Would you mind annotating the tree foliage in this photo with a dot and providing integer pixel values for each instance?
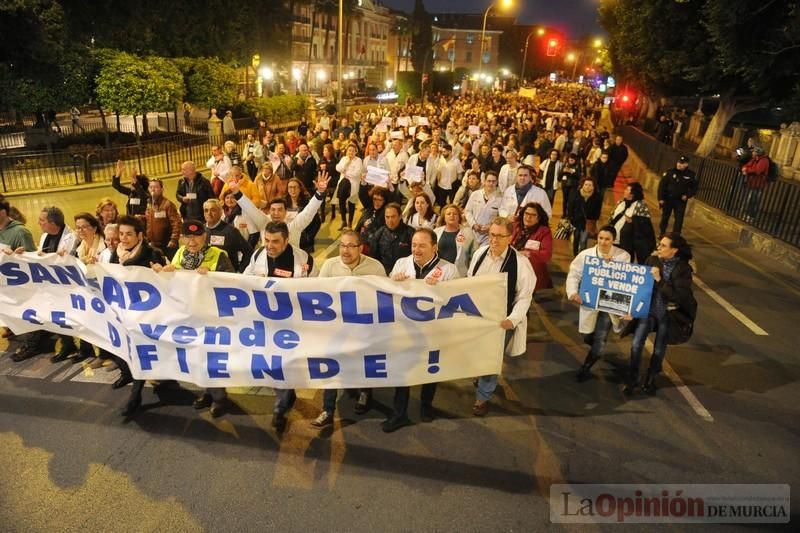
(133, 86)
(745, 51)
(422, 39)
(278, 109)
(209, 82)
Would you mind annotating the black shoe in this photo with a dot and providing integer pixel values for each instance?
(131, 407)
(279, 421)
(394, 423)
(62, 354)
(427, 413)
(201, 402)
(362, 405)
(121, 382)
(83, 355)
(217, 409)
(23, 354)
(631, 383)
(475, 383)
(584, 373)
(649, 385)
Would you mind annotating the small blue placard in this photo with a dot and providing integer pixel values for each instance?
(616, 287)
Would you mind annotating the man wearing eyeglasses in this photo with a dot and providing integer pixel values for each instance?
(499, 256)
(350, 262)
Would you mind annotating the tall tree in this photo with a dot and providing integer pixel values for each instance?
(745, 51)
(135, 86)
(422, 40)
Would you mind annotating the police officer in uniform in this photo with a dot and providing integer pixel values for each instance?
(677, 185)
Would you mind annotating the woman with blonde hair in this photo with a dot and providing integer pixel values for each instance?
(107, 211)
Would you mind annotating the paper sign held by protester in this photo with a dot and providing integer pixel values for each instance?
(381, 128)
(423, 121)
(377, 176)
(402, 122)
(616, 287)
(474, 131)
(396, 134)
(414, 174)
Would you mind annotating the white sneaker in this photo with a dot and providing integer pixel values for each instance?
(324, 419)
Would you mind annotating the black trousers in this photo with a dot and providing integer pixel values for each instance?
(402, 395)
(679, 208)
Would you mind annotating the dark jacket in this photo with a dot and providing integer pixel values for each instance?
(387, 246)
(581, 210)
(306, 172)
(138, 195)
(147, 255)
(676, 183)
(193, 209)
(678, 289)
(617, 155)
(225, 236)
(603, 174)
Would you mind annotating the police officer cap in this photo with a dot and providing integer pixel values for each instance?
(683, 159)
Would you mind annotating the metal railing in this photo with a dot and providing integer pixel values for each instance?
(775, 209)
(35, 171)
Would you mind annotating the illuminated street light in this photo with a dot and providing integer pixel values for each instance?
(540, 32)
(389, 84)
(598, 43)
(570, 57)
(321, 75)
(266, 73)
(296, 74)
(505, 4)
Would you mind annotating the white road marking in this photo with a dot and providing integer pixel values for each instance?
(676, 380)
(725, 304)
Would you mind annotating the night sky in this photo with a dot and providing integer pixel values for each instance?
(575, 17)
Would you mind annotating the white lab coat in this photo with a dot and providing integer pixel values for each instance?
(588, 317)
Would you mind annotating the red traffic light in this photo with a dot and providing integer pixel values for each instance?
(552, 47)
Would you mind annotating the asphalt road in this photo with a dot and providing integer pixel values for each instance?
(729, 414)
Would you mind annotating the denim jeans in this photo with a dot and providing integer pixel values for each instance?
(601, 329)
(284, 400)
(487, 384)
(643, 329)
(329, 400)
(580, 238)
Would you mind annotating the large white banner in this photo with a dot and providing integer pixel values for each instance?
(219, 330)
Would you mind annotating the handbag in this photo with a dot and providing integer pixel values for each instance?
(564, 230)
(591, 228)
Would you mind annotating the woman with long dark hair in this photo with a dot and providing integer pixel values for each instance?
(532, 237)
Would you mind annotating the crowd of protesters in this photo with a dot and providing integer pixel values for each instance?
(471, 189)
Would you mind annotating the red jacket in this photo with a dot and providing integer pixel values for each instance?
(757, 171)
(538, 257)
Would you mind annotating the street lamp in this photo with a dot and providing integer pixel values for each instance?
(598, 43)
(572, 58)
(503, 3)
(539, 32)
(296, 74)
(389, 84)
(266, 75)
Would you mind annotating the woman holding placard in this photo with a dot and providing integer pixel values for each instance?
(594, 324)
